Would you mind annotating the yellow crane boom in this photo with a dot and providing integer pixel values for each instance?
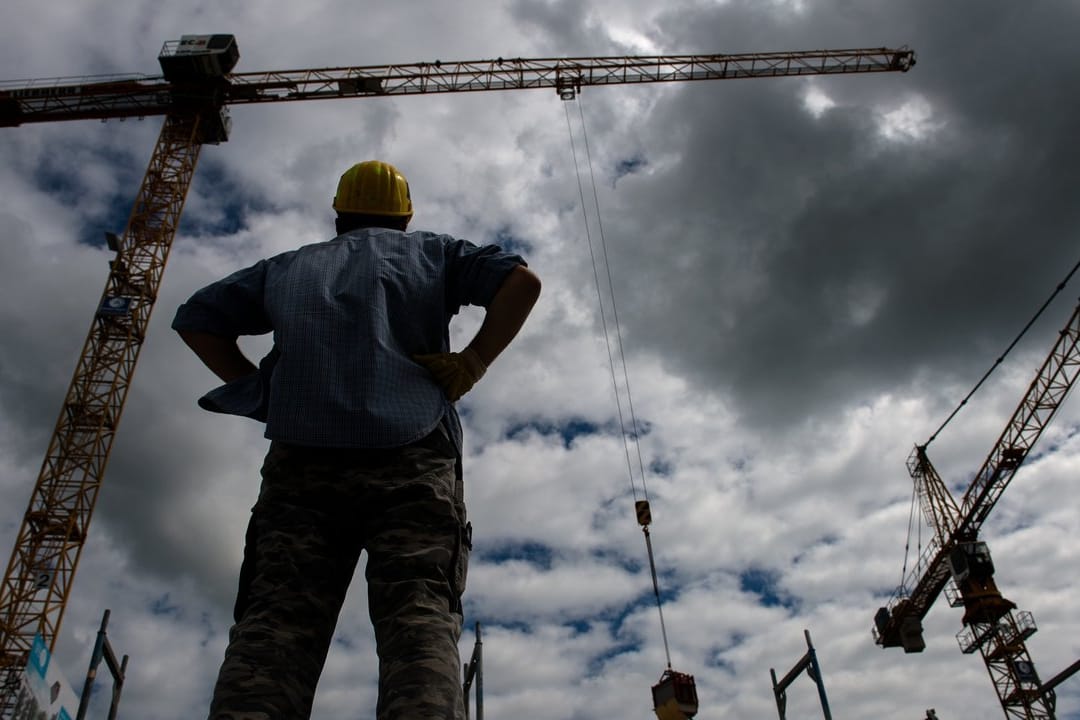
(193, 94)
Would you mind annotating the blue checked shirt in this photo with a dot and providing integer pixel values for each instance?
(347, 316)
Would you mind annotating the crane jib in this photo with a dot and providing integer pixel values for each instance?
(144, 96)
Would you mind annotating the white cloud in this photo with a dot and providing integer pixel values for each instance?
(911, 121)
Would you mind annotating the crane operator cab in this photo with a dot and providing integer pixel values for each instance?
(675, 696)
(196, 67)
(195, 57)
(973, 573)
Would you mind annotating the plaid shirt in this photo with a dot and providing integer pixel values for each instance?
(347, 316)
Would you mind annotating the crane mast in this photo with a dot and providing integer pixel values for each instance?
(955, 553)
(193, 95)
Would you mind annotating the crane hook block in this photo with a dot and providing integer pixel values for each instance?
(675, 696)
(644, 514)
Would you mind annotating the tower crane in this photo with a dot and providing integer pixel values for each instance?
(193, 94)
(955, 551)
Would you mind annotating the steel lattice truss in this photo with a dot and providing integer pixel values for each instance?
(1044, 396)
(1002, 647)
(137, 96)
(54, 529)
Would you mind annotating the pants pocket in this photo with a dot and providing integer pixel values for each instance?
(461, 563)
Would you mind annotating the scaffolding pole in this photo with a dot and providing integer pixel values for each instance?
(103, 651)
(809, 663)
(475, 670)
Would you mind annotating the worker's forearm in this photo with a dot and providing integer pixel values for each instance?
(506, 313)
(222, 355)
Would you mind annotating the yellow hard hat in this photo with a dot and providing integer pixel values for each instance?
(374, 187)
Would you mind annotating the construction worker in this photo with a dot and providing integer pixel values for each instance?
(358, 399)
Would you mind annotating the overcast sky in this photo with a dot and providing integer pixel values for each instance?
(809, 275)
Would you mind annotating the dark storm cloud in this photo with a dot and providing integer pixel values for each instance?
(829, 262)
(566, 28)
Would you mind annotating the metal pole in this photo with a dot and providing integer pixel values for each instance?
(118, 686)
(781, 696)
(1047, 689)
(809, 663)
(479, 652)
(475, 669)
(103, 651)
(815, 672)
(91, 672)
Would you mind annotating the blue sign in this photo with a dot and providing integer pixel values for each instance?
(39, 657)
(115, 305)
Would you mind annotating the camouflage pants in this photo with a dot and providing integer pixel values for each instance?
(317, 510)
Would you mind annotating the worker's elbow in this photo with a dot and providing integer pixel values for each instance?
(193, 336)
(201, 341)
(528, 282)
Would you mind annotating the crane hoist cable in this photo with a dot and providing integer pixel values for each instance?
(675, 694)
(914, 521)
(641, 505)
(600, 302)
(1060, 286)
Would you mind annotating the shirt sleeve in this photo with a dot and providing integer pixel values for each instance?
(476, 272)
(229, 307)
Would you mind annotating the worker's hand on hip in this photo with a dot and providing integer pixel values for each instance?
(456, 373)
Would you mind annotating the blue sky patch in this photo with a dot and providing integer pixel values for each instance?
(662, 468)
(630, 564)
(344, 641)
(164, 606)
(510, 242)
(208, 629)
(580, 627)
(598, 663)
(829, 539)
(715, 659)
(629, 166)
(536, 554)
(65, 186)
(513, 625)
(568, 429)
(645, 601)
(232, 206)
(766, 585)
(114, 220)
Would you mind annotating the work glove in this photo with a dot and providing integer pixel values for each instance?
(456, 373)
